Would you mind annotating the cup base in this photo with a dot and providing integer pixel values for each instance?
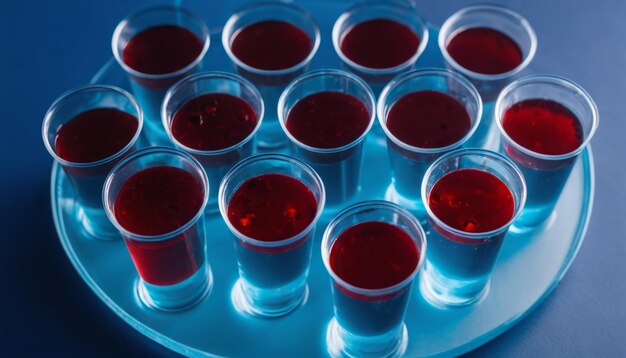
(96, 224)
(450, 294)
(177, 297)
(415, 206)
(244, 304)
(486, 135)
(330, 210)
(532, 223)
(269, 141)
(370, 347)
(378, 134)
(153, 132)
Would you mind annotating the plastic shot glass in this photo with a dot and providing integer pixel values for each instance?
(397, 11)
(409, 162)
(460, 261)
(271, 203)
(155, 30)
(87, 178)
(502, 20)
(369, 315)
(218, 161)
(545, 174)
(145, 196)
(270, 82)
(339, 167)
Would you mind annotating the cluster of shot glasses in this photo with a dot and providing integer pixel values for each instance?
(315, 181)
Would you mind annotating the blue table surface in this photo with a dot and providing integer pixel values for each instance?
(48, 47)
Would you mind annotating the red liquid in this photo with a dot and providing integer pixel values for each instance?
(485, 50)
(328, 119)
(162, 49)
(374, 255)
(94, 135)
(271, 45)
(379, 43)
(543, 126)
(272, 207)
(472, 200)
(213, 121)
(170, 261)
(158, 200)
(428, 119)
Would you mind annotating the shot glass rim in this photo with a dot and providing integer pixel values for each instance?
(442, 41)
(420, 243)
(282, 119)
(144, 152)
(229, 28)
(423, 73)
(553, 80)
(484, 153)
(45, 128)
(336, 36)
(203, 76)
(160, 76)
(223, 206)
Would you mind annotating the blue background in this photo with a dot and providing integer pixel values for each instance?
(48, 47)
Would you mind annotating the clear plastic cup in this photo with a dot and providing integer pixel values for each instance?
(369, 322)
(339, 168)
(270, 83)
(459, 263)
(545, 175)
(273, 274)
(215, 162)
(172, 267)
(393, 10)
(150, 88)
(409, 163)
(88, 178)
(505, 21)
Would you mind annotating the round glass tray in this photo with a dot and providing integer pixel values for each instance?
(528, 267)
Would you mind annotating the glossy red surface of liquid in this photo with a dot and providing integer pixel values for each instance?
(472, 200)
(271, 45)
(428, 119)
(272, 207)
(162, 49)
(374, 255)
(94, 135)
(328, 119)
(484, 50)
(158, 200)
(213, 121)
(543, 126)
(379, 43)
